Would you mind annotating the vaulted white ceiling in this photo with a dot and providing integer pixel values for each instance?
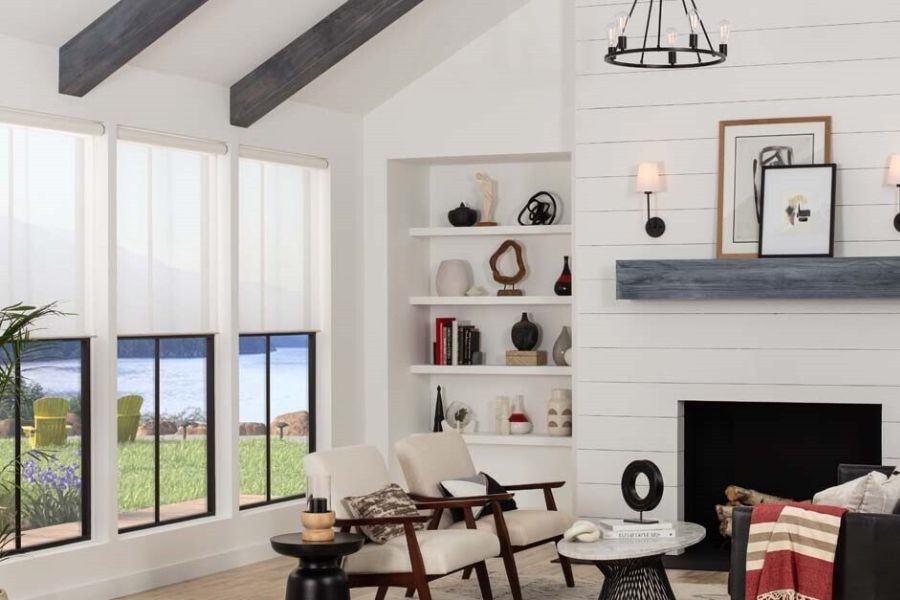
(225, 39)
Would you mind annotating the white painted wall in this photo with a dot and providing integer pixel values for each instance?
(111, 565)
(509, 92)
(636, 360)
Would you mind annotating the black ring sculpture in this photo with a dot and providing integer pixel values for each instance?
(629, 488)
(538, 211)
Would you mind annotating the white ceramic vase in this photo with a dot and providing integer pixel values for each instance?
(454, 278)
(559, 413)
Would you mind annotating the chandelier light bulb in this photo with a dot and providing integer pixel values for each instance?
(724, 32)
(612, 32)
(695, 21)
(622, 22)
(672, 37)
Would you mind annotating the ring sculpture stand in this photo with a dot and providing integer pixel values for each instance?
(319, 575)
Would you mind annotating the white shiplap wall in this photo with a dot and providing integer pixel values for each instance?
(636, 361)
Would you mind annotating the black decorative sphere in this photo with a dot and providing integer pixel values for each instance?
(462, 216)
(629, 486)
(525, 334)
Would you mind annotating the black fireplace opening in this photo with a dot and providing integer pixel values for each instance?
(784, 449)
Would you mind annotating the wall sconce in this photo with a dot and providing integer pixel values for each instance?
(894, 179)
(648, 182)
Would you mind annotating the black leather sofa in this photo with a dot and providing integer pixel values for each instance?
(867, 564)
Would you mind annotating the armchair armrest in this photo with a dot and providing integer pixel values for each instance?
(428, 502)
(535, 486)
(547, 487)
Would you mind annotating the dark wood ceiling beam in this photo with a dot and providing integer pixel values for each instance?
(328, 42)
(117, 36)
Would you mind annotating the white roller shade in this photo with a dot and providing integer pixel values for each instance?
(44, 121)
(286, 158)
(168, 140)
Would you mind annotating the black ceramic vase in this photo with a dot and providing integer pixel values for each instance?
(563, 285)
(462, 216)
(525, 334)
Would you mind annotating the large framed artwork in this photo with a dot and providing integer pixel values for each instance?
(797, 211)
(745, 149)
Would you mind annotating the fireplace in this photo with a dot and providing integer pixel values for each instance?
(786, 449)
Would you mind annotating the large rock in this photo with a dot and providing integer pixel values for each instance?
(165, 428)
(7, 428)
(198, 429)
(252, 428)
(297, 423)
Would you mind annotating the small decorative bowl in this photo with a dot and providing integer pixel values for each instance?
(520, 428)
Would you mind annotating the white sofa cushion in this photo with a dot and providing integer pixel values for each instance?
(443, 551)
(526, 526)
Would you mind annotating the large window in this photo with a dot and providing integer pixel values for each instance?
(277, 314)
(45, 445)
(165, 430)
(166, 199)
(45, 417)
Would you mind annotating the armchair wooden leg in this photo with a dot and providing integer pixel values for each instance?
(467, 573)
(410, 592)
(382, 592)
(484, 581)
(509, 559)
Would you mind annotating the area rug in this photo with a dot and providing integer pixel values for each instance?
(543, 588)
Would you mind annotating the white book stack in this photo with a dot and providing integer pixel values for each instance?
(619, 529)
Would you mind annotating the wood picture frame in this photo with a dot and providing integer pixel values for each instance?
(814, 240)
(745, 147)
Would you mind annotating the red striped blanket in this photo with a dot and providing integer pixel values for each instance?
(790, 553)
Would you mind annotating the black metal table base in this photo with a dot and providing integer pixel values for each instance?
(635, 579)
(319, 579)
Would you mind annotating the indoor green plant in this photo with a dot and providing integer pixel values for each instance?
(16, 325)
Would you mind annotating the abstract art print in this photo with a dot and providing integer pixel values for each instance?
(745, 149)
(797, 211)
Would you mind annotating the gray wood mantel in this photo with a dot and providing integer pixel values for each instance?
(772, 278)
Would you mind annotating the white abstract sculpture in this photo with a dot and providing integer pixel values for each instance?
(489, 199)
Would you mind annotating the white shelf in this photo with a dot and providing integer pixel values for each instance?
(502, 230)
(490, 300)
(489, 370)
(490, 439)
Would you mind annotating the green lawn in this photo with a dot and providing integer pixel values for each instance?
(183, 468)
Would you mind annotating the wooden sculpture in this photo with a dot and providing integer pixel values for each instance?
(509, 281)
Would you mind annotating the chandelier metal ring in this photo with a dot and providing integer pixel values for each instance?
(714, 58)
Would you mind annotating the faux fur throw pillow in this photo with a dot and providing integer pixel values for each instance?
(390, 501)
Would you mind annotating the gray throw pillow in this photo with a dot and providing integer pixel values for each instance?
(390, 501)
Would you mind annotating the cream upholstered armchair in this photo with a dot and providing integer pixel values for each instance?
(429, 459)
(417, 557)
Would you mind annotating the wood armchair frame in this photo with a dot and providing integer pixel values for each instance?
(417, 580)
(507, 550)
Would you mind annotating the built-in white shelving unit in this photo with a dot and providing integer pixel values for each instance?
(489, 439)
(499, 231)
(421, 192)
(490, 370)
(491, 300)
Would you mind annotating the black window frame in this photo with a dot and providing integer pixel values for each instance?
(210, 429)
(85, 415)
(311, 437)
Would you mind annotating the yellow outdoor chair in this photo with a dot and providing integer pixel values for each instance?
(129, 412)
(49, 423)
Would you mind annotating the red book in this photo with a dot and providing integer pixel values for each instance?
(440, 357)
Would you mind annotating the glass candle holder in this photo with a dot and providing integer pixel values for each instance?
(318, 493)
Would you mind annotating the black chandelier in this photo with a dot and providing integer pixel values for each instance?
(666, 53)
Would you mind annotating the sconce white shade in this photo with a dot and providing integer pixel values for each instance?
(648, 178)
(894, 170)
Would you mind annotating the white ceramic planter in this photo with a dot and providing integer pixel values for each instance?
(454, 278)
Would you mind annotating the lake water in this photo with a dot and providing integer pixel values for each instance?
(183, 382)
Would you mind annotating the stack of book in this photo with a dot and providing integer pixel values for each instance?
(618, 529)
(454, 342)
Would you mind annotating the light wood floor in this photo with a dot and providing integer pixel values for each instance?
(266, 580)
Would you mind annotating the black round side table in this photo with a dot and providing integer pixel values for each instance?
(319, 576)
